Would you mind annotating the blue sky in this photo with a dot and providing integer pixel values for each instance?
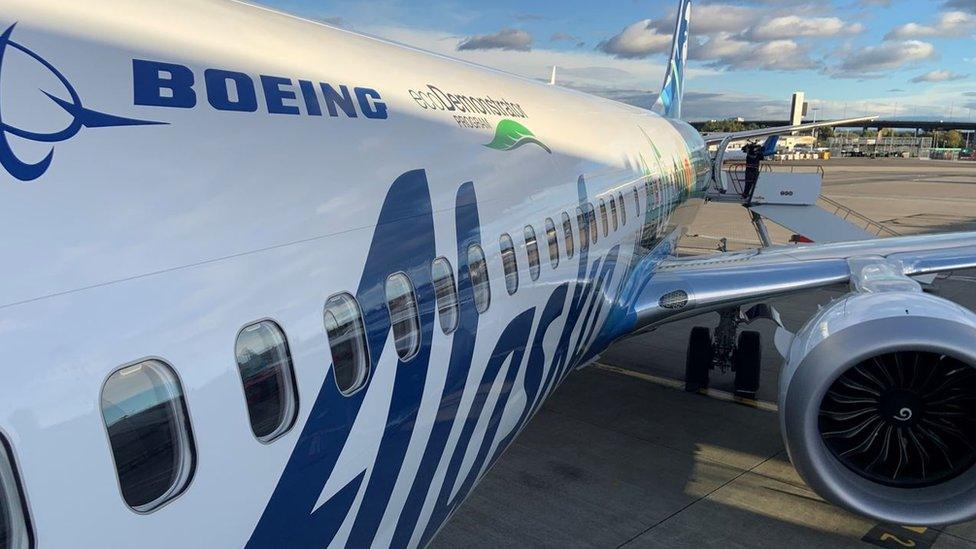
(889, 57)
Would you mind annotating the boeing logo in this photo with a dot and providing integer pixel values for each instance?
(81, 117)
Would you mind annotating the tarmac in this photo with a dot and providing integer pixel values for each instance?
(621, 456)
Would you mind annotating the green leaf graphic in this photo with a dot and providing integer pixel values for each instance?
(510, 135)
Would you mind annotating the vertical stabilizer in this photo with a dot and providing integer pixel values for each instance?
(674, 78)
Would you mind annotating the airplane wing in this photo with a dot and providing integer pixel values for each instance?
(780, 130)
(683, 287)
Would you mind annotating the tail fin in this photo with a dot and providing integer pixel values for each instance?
(769, 149)
(674, 78)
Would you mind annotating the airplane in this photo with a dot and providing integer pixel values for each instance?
(271, 283)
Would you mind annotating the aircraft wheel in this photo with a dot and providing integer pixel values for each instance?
(699, 359)
(747, 362)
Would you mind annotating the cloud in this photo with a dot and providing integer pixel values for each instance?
(637, 40)
(870, 61)
(728, 36)
(566, 37)
(530, 17)
(938, 76)
(505, 39)
(969, 94)
(794, 26)
(896, 90)
(725, 51)
(951, 24)
(961, 4)
(712, 18)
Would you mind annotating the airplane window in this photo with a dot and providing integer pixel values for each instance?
(594, 231)
(568, 235)
(623, 208)
(445, 290)
(532, 250)
(613, 213)
(509, 263)
(604, 217)
(269, 381)
(478, 272)
(553, 238)
(582, 222)
(149, 431)
(637, 202)
(401, 300)
(15, 532)
(347, 342)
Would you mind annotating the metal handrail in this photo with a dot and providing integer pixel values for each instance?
(869, 224)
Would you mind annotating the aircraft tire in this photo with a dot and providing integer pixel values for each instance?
(747, 363)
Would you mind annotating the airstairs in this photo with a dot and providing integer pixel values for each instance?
(792, 199)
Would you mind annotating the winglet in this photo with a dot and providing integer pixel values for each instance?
(674, 79)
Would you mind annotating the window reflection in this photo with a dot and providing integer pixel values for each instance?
(266, 371)
(445, 291)
(509, 263)
(402, 304)
(347, 341)
(145, 414)
(478, 272)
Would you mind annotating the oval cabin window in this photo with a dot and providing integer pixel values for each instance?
(613, 212)
(604, 217)
(594, 231)
(509, 263)
(553, 240)
(404, 320)
(532, 250)
(149, 430)
(445, 291)
(623, 208)
(582, 223)
(568, 235)
(347, 342)
(269, 380)
(478, 272)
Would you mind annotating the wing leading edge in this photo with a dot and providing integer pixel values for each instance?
(780, 130)
(684, 287)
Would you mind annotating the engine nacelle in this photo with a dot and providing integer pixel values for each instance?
(878, 406)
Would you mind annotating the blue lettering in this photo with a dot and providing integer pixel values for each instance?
(370, 103)
(151, 87)
(218, 92)
(275, 96)
(344, 101)
(311, 101)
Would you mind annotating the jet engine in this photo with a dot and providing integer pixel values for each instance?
(878, 406)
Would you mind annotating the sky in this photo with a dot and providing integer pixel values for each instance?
(904, 58)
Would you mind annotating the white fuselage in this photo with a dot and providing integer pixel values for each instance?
(164, 240)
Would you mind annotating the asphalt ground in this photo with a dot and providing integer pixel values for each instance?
(620, 456)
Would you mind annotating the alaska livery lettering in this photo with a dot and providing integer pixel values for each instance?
(159, 84)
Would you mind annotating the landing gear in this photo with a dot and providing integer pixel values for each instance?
(722, 351)
(699, 359)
